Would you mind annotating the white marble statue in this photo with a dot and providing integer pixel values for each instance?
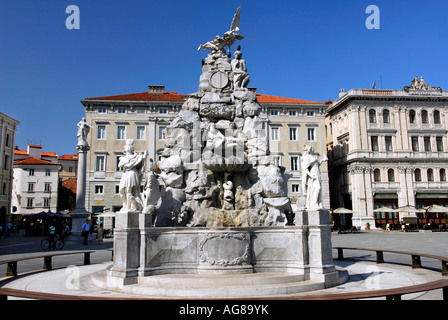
(133, 165)
(83, 131)
(151, 193)
(239, 68)
(311, 179)
(228, 39)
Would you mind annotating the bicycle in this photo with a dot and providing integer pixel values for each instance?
(58, 243)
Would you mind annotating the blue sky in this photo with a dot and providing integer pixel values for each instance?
(298, 49)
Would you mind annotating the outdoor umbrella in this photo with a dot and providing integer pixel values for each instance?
(384, 209)
(343, 211)
(436, 208)
(410, 209)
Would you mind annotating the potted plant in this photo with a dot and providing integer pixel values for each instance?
(384, 227)
(367, 228)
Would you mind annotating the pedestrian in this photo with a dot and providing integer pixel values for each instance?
(51, 235)
(100, 233)
(1, 231)
(85, 231)
(65, 230)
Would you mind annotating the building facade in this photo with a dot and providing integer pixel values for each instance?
(389, 148)
(289, 123)
(36, 178)
(8, 128)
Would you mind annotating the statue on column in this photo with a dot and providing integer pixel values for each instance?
(311, 179)
(133, 165)
(83, 131)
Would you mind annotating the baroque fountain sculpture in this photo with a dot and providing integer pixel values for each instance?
(223, 205)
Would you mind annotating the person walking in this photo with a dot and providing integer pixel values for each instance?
(100, 233)
(85, 231)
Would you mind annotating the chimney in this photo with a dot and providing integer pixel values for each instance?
(342, 93)
(156, 89)
(35, 151)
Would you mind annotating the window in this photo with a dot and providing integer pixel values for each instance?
(372, 116)
(386, 116)
(101, 133)
(275, 134)
(414, 142)
(294, 163)
(99, 189)
(274, 112)
(293, 134)
(117, 162)
(31, 172)
(310, 113)
(430, 174)
(102, 110)
(47, 202)
(311, 134)
(121, 132)
(70, 169)
(442, 175)
(439, 143)
(374, 140)
(388, 141)
(436, 117)
(377, 175)
(30, 187)
(47, 172)
(29, 202)
(412, 116)
(121, 110)
(277, 160)
(6, 161)
(425, 116)
(391, 175)
(141, 110)
(162, 133)
(140, 133)
(47, 187)
(427, 142)
(163, 111)
(100, 163)
(295, 188)
(418, 175)
(292, 113)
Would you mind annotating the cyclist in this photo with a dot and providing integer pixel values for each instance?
(52, 233)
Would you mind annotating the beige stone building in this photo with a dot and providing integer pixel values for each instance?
(289, 124)
(8, 128)
(389, 148)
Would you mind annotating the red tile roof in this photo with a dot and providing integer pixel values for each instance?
(35, 161)
(174, 96)
(70, 184)
(264, 98)
(69, 157)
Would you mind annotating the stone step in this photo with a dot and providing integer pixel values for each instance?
(204, 280)
(194, 286)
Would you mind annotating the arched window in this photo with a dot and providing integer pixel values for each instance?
(386, 116)
(412, 116)
(377, 175)
(436, 117)
(391, 175)
(372, 116)
(442, 175)
(430, 174)
(418, 175)
(424, 116)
